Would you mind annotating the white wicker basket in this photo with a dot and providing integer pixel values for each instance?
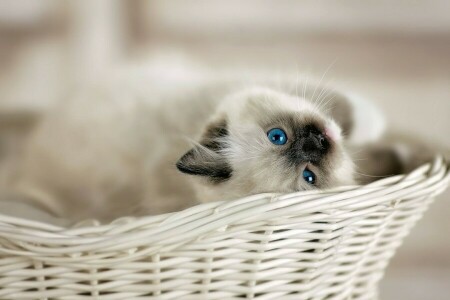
(308, 245)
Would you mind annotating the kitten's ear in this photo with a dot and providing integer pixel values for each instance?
(342, 113)
(206, 159)
(360, 120)
(368, 121)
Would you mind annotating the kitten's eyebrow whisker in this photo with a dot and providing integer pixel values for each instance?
(328, 102)
(320, 100)
(305, 86)
(323, 93)
(320, 81)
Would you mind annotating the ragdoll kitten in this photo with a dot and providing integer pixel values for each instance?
(159, 141)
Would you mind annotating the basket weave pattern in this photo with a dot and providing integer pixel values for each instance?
(309, 245)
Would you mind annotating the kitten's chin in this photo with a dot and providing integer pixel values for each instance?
(345, 175)
(350, 181)
(333, 132)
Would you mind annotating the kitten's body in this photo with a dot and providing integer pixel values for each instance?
(111, 150)
(101, 153)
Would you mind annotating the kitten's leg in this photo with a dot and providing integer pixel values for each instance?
(394, 154)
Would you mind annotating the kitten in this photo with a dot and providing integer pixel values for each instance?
(156, 141)
(266, 140)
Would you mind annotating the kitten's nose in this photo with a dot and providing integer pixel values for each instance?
(314, 143)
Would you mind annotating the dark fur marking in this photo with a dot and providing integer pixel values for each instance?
(309, 145)
(201, 162)
(214, 132)
(217, 171)
(342, 113)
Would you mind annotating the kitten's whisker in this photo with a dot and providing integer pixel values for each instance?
(330, 107)
(296, 91)
(305, 86)
(356, 152)
(249, 158)
(320, 101)
(324, 107)
(323, 93)
(259, 172)
(327, 89)
(359, 159)
(323, 76)
(374, 176)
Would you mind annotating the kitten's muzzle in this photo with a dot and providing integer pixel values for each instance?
(310, 145)
(314, 140)
(314, 145)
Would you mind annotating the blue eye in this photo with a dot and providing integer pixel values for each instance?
(277, 136)
(309, 176)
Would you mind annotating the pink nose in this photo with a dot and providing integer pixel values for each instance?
(332, 133)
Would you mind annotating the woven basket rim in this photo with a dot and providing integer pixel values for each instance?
(31, 238)
(332, 244)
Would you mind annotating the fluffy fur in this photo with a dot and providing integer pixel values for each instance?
(114, 149)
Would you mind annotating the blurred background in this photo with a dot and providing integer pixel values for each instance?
(397, 53)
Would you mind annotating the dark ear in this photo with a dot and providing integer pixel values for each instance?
(342, 112)
(207, 159)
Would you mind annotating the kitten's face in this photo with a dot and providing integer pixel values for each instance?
(265, 141)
